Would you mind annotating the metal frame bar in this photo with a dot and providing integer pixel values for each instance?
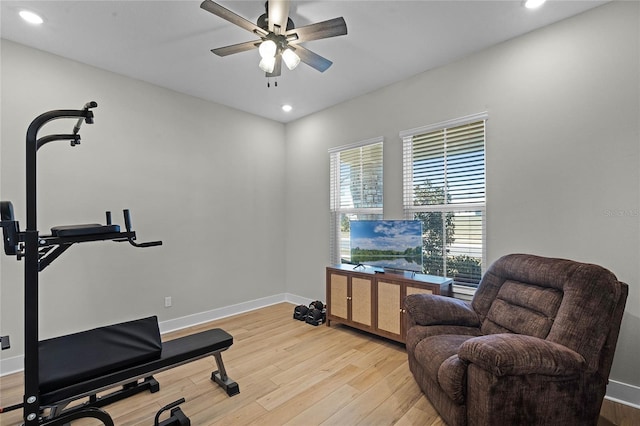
(32, 255)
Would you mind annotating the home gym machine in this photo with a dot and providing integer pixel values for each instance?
(69, 368)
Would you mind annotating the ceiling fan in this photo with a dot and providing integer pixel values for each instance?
(279, 40)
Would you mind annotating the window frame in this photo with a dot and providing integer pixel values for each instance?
(335, 208)
(410, 209)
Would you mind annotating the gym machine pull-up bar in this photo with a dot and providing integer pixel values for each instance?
(50, 247)
(50, 383)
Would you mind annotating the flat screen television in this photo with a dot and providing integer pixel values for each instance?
(388, 244)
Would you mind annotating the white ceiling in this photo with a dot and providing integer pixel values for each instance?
(168, 43)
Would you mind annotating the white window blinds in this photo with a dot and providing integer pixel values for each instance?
(444, 187)
(355, 190)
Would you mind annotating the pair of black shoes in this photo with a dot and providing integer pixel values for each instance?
(314, 314)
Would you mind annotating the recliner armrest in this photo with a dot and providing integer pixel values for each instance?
(430, 309)
(516, 354)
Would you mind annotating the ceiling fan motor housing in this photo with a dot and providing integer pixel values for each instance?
(263, 22)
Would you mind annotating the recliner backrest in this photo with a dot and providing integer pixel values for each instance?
(523, 309)
(567, 302)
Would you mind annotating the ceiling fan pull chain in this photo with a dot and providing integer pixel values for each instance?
(275, 82)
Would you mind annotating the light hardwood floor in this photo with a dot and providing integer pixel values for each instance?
(289, 373)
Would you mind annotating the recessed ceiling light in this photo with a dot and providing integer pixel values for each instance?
(287, 108)
(533, 4)
(31, 17)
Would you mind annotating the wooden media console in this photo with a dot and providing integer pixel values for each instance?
(366, 299)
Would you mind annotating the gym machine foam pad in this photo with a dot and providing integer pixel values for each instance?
(80, 364)
(74, 358)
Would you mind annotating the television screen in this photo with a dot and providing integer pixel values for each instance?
(394, 244)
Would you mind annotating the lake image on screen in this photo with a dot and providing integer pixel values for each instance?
(393, 244)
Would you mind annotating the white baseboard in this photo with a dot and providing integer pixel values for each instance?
(219, 313)
(623, 393)
(11, 365)
(619, 392)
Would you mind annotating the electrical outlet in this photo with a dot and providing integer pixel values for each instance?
(167, 302)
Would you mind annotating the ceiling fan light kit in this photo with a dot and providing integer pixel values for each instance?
(279, 39)
(291, 60)
(268, 49)
(267, 64)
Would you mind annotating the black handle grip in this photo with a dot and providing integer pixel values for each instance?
(127, 219)
(173, 404)
(6, 210)
(127, 224)
(149, 244)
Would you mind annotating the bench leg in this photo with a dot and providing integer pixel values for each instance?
(127, 390)
(220, 377)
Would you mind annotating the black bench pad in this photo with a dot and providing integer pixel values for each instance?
(81, 356)
(174, 352)
(86, 229)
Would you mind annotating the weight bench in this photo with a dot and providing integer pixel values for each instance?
(82, 364)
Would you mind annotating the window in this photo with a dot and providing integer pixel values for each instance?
(444, 187)
(355, 191)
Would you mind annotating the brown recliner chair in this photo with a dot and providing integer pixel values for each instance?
(533, 346)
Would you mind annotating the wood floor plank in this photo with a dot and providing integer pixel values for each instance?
(405, 395)
(289, 372)
(321, 410)
(312, 396)
(415, 416)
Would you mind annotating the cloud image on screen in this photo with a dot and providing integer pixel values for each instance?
(395, 244)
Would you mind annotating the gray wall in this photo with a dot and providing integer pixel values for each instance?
(562, 151)
(204, 178)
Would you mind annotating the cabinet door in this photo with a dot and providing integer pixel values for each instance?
(389, 307)
(338, 305)
(361, 289)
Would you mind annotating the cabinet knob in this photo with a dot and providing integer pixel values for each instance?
(348, 298)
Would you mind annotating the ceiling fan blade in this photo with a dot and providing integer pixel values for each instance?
(325, 29)
(237, 48)
(228, 15)
(312, 59)
(277, 68)
(278, 15)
